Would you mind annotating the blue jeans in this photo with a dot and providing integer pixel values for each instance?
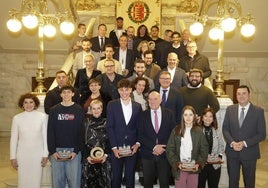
(66, 171)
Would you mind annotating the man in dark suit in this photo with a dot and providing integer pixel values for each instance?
(178, 75)
(124, 56)
(194, 60)
(117, 32)
(122, 131)
(243, 128)
(171, 98)
(155, 126)
(100, 41)
(53, 96)
(161, 49)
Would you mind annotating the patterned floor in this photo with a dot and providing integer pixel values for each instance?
(8, 174)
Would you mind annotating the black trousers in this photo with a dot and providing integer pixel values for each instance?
(248, 171)
(156, 167)
(210, 175)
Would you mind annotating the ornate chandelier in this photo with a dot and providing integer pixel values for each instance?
(228, 16)
(34, 14)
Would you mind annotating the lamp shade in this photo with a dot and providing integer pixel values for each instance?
(228, 24)
(30, 21)
(50, 30)
(14, 25)
(67, 27)
(248, 30)
(196, 28)
(214, 33)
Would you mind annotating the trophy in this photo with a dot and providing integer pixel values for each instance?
(188, 165)
(96, 154)
(64, 155)
(125, 151)
(213, 159)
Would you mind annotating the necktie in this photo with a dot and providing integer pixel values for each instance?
(242, 116)
(156, 123)
(164, 97)
(102, 44)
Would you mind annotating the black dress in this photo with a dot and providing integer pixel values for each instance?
(95, 175)
(81, 83)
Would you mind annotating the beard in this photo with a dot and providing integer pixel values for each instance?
(194, 83)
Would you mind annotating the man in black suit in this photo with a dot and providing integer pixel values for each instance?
(53, 96)
(194, 60)
(161, 49)
(99, 42)
(171, 98)
(243, 128)
(117, 32)
(124, 56)
(122, 124)
(155, 126)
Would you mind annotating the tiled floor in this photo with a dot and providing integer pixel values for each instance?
(7, 173)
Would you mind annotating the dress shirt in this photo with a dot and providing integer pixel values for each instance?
(159, 115)
(167, 92)
(103, 38)
(186, 145)
(172, 72)
(127, 110)
(245, 109)
(123, 57)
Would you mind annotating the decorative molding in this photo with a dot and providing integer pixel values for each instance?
(86, 5)
(188, 6)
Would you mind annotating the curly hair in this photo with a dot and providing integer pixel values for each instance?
(136, 80)
(28, 96)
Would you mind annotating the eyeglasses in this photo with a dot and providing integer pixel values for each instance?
(191, 46)
(109, 66)
(164, 78)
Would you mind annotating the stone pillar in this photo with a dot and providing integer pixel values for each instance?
(224, 103)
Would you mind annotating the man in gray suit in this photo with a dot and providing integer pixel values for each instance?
(178, 75)
(243, 128)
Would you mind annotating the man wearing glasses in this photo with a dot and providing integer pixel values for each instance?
(195, 60)
(109, 79)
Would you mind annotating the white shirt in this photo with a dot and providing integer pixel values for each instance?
(186, 145)
(122, 57)
(100, 40)
(245, 109)
(172, 72)
(127, 110)
(167, 92)
(159, 115)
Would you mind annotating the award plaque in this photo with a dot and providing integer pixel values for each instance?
(64, 155)
(96, 154)
(188, 165)
(125, 151)
(213, 159)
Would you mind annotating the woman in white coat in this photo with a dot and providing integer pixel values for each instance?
(28, 143)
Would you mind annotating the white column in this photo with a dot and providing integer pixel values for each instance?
(224, 103)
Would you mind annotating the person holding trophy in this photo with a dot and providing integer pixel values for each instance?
(187, 150)
(96, 167)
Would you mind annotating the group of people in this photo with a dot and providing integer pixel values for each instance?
(149, 106)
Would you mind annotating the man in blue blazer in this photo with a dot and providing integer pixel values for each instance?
(154, 128)
(122, 131)
(173, 99)
(243, 128)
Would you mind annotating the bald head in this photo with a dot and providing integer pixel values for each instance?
(154, 100)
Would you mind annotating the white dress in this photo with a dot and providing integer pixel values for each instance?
(28, 144)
